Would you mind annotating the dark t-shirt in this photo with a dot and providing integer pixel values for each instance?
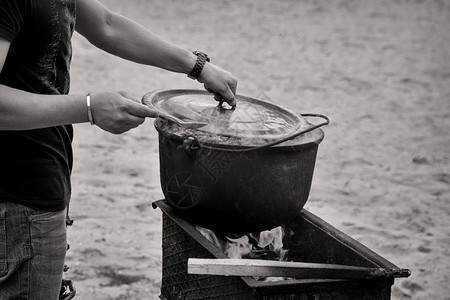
(35, 165)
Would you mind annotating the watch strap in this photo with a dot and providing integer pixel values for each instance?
(202, 59)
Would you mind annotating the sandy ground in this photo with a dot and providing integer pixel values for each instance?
(379, 69)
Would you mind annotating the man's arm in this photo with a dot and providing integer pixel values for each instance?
(4, 48)
(20, 110)
(123, 37)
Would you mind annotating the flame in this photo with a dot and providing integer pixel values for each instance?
(273, 239)
(268, 243)
(212, 237)
(237, 248)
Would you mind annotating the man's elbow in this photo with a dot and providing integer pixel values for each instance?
(102, 33)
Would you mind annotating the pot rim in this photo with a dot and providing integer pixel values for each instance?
(159, 123)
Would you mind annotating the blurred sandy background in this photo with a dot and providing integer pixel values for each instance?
(379, 69)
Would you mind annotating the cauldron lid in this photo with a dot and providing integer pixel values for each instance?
(252, 123)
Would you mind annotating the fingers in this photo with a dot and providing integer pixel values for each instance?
(228, 94)
(217, 96)
(118, 112)
(229, 97)
(136, 108)
(219, 82)
(135, 121)
(233, 85)
(141, 110)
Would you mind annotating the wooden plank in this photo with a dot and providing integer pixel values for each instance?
(270, 268)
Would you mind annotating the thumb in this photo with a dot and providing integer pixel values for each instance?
(141, 110)
(136, 108)
(229, 97)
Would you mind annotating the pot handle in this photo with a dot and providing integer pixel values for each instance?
(325, 122)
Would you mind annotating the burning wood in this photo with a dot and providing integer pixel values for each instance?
(266, 245)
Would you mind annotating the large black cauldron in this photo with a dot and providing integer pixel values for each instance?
(248, 170)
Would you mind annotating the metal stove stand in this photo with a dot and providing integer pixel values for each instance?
(313, 241)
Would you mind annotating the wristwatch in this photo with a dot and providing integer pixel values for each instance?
(202, 58)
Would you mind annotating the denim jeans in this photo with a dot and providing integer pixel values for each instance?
(32, 252)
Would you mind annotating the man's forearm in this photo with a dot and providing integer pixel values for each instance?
(20, 110)
(125, 38)
(131, 41)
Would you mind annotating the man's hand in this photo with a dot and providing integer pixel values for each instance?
(118, 112)
(219, 82)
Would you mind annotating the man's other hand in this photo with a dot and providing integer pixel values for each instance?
(118, 112)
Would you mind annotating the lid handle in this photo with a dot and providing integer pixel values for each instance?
(233, 107)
